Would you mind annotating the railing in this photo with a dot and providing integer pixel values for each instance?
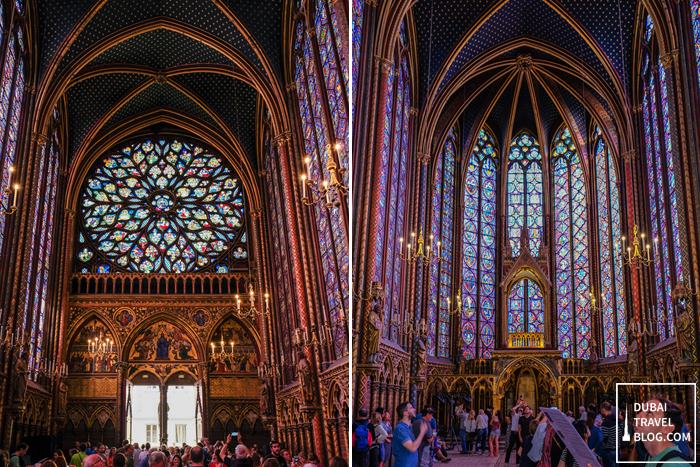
(163, 284)
(526, 340)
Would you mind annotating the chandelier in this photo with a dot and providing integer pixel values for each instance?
(457, 309)
(330, 191)
(252, 311)
(639, 252)
(8, 208)
(100, 346)
(417, 251)
(220, 353)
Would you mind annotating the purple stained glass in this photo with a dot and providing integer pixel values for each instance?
(609, 230)
(525, 193)
(525, 307)
(695, 18)
(332, 236)
(334, 76)
(478, 243)
(358, 7)
(570, 248)
(440, 281)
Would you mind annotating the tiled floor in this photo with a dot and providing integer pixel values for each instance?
(475, 460)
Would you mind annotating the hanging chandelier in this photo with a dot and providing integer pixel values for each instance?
(220, 353)
(417, 251)
(100, 346)
(331, 191)
(638, 253)
(251, 311)
(9, 205)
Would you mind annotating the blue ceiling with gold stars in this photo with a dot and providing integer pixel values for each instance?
(442, 26)
(76, 36)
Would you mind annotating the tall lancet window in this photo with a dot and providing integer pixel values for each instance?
(479, 245)
(525, 193)
(525, 308)
(314, 75)
(392, 195)
(661, 182)
(45, 184)
(571, 248)
(11, 98)
(695, 19)
(612, 293)
(442, 229)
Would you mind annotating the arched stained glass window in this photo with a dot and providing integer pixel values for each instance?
(442, 230)
(46, 183)
(661, 183)
(335, 73)
(695, 18)
(358, 8)
(11, 99)
(164, 206)
(612, 286)
(571, 248)
(283, 283)
(319, 134)
(479, 244)
(525, 193)
(394, 152)
(525, 307)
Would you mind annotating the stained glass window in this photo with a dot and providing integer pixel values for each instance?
(11, 100)
(695, 18)
(38, 284)
(164, 206)
(310, 77)
(612, 293)
(525, 307)
(661, 184)
(392, 195)
(283, 280)
(571, 247)
(525, 193)
(441, 230)
(479, 245)
(358, 7)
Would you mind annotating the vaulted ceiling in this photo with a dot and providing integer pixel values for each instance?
(116, 60)
(579, 55)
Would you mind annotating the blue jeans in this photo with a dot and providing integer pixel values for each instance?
(481, 439)
(463, 438)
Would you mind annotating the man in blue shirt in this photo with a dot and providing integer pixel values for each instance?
(404, 445)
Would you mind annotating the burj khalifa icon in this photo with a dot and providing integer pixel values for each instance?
(626, 434)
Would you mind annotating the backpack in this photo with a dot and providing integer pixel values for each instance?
(670, 455)
(361, 438)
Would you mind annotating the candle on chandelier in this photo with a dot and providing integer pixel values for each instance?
(238, 302)
(400, 245)
(231, 346)
(303, 186)
(14, 200)
(328, 192)
(438, 251)
(212, 348)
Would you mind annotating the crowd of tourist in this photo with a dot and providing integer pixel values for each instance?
(229, 453)
(413, 440)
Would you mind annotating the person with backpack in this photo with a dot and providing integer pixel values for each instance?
(657, 435)
(376, 451)
(78, 457)
(17, 459)
(361, 439)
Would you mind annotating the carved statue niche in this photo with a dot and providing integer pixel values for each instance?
(266, 404)
(422, 347)
(374, 322)
(305, 378)
(19, 386)
(684, 331)
(62, 398)
(594, 351)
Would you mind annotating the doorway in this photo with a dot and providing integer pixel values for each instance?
(179, 423)
(143, 426)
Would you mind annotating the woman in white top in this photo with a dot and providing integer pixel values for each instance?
(470, 428)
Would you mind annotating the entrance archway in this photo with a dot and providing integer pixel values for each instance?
(530, 378)
(163, 411)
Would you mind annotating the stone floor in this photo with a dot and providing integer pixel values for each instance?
(475, 460)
